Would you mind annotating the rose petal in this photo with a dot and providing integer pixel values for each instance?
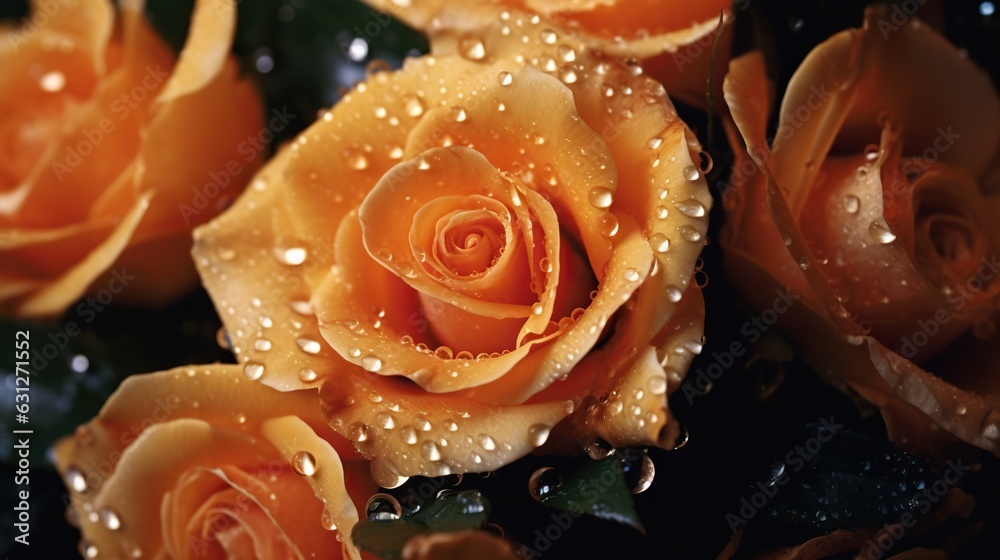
(291, 436)
(973, 418)
(537, 110)
(144, 439)
(213, 24)
(271, 300)
(58, 295)
(407, 431)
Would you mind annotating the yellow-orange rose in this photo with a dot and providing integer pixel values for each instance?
(464, 251)
(673, 39)
(106, 139)
(877, 205)
(198, 462)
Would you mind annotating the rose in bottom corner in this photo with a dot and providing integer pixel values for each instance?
(877, 204)
(468, 251)
(199, 462)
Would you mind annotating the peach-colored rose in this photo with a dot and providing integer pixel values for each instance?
(465, 251)
(198, 462)
(673, 39)
(106, 141)
(877, 205)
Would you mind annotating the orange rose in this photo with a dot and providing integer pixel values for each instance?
(464, 251)
(673, 39)
(891, 247)
(105, 141)
(198, 462)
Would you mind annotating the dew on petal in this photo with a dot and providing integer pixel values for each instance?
(303, 463)
(691, 208)
(472, 47)
(601, 197)
(253, 370)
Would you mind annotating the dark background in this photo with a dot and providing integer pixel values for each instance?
(751, 416)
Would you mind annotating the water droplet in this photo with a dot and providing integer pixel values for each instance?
(301, 307)
(385, 420)
(486, 442)
(307, 375)
(75, 480)
(356, 159)
(852, 204)
(548, 36)
(506, 78)
(385, 474)
(567, 75)
(52, 81)
(371, 363)
(657, 384)
(309, 346)
(253, 370)
(383, 507)
(111, 519)
(430, 451)
(707, 164)
(690, 234)
(566, 53)
(659, 242)
(538, 434)
(881, 233)
(291, 256)
(303, 463)
(472, 47)
(327, 520)
(631, 275)
(601, 197)
(543, 482)
(654, 142)
(691, 173)
(413, 105)
(262, 345)
(458, 114)
(87, 550)
(639, 471)
(691, 208)
(408, 434)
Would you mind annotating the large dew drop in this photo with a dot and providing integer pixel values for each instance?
(303, 463)
(543, 483)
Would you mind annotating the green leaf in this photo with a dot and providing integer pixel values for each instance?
(448, 513)
(466, 510)
(596, 488)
